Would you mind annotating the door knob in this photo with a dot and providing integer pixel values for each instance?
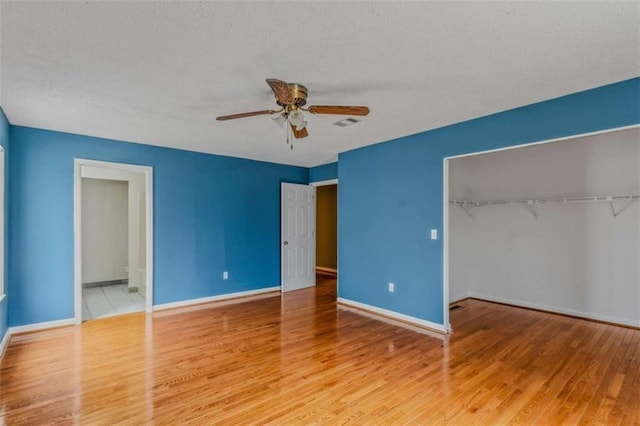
(286, 242)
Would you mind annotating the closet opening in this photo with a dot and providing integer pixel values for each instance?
(552, 226)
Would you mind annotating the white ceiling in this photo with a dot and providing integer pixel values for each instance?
(160, 72)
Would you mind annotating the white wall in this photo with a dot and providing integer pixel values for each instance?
(105, 223)
(575, 258)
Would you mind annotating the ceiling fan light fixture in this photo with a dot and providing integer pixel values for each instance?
(279, 119)
(297, 119)
(295, 116)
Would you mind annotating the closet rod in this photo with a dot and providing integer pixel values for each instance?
(605, 198)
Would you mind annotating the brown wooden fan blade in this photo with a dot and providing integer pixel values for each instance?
(245, 114)
(281, 90)
(299, 134)
(339, 110)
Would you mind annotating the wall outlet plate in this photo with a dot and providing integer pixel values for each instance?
(225, 275)
(392, 287)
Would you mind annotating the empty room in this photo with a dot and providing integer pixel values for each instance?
(319, 212)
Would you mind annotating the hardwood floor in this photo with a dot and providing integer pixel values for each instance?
(300, 360)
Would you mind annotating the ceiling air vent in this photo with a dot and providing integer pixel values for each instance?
(346, 122)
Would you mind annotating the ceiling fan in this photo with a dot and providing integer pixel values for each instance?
(292, 97)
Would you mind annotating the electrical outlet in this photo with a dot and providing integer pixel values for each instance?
(434, 234)
(392, 287)
(225, 275)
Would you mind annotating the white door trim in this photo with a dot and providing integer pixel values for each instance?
(324, 182)
(445, 204)
(77, 227)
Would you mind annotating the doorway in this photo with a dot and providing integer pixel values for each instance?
(304, 216)
(298, 240)
(327, 234)
(327, 230)
(113, 223)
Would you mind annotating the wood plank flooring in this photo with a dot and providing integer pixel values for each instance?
(301, 360)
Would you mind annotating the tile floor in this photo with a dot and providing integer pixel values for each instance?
(110, 300)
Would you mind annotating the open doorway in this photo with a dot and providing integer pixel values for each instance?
(107, 289)
(113, 239)
(327, 235)
(309, 234)
(551, 226)
(327, 230)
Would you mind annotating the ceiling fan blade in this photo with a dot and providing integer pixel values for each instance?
(281, 90)
(339, 110)
(299, 134)
(245, 114)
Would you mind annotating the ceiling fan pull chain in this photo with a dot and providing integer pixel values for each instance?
(289, 132)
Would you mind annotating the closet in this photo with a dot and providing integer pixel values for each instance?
(553, 226)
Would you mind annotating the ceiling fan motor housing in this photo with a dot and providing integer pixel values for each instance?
(298, 94)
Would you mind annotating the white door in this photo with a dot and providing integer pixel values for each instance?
(298, 240)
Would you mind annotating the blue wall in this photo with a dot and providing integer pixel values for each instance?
(324, 172)
(211, 213)
(4, 142)
(391, 193)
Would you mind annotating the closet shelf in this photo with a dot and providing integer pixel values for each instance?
(623, 201)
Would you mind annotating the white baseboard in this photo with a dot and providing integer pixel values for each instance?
(41, 326)
(4, 343)
(554, 309)
(325, 269)
(402, 318)
(217, 298)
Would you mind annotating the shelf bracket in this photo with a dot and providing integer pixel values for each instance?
(532, 208)
(620, 210)
(466, 209)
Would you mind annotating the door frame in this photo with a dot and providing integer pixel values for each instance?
(147, 171)
(327, 183)
(445, 203)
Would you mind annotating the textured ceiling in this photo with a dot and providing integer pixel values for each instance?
(160, 72)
